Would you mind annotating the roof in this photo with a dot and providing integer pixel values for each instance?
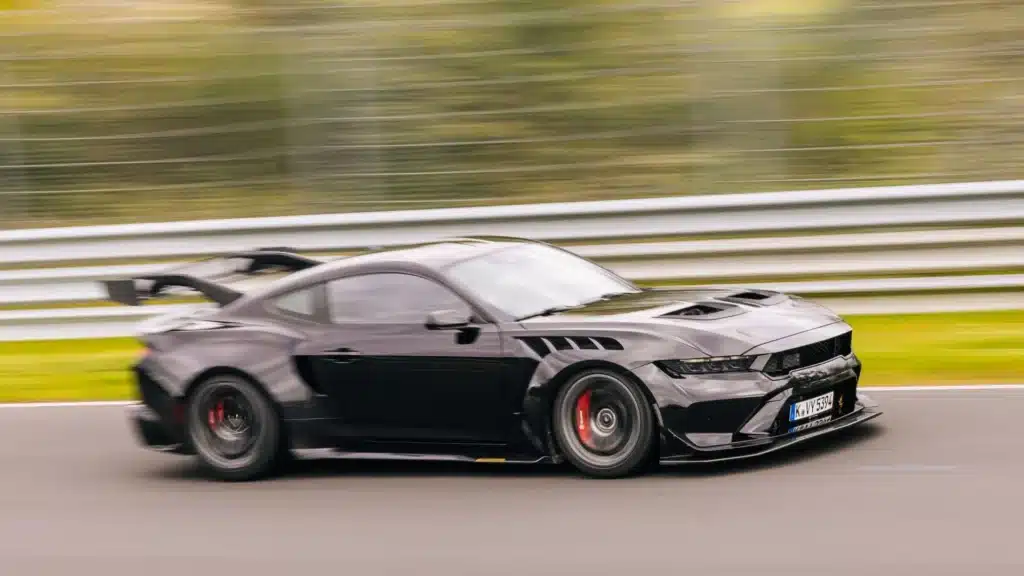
(435, 254)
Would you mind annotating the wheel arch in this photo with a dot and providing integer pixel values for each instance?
(541, 399)
(214, 371)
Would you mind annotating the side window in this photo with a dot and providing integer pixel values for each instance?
(300, 302)
(391, 298)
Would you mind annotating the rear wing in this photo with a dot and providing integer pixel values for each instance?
(218, 279)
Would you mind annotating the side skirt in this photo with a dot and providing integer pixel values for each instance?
(340, 454)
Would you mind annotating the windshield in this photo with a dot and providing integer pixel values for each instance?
(530, 279)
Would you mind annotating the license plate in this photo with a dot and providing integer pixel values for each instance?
(811, 424)
(811, 407)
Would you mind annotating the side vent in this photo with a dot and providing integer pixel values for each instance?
(544, 345)
(705, 311)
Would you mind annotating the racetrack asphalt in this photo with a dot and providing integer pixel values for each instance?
(933, 487)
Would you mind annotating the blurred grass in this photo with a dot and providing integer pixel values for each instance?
(66, 370)
(961, 348)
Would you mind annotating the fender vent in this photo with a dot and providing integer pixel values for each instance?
(544, 345)
(559, 342)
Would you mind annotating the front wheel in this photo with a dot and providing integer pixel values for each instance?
(234, 429)
(603, 424)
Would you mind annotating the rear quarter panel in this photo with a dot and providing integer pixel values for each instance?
(262, 352)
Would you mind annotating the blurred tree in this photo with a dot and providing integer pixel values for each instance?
(250, 107)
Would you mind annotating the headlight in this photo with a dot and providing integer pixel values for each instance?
(718, 365)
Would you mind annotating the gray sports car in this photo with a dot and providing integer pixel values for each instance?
(483, 349)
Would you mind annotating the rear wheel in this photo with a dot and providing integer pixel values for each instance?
(234, 429)
(603, 424)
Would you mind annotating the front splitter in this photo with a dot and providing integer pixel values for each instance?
(753, 449)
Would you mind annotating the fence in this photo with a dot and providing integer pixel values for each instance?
(913, 248)
(177, 110)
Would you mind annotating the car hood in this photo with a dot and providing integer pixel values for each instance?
(716, 321)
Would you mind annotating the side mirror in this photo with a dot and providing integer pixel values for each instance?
(447, 319)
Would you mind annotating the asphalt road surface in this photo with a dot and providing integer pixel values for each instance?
(933, 487)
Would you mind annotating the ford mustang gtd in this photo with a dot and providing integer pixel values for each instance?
(483, 349)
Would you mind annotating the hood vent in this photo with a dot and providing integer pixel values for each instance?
(544, 345)
(705, 311)
(755, 297)
(698, 310)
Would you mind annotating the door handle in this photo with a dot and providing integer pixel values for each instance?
(342, 355)
(344, 352)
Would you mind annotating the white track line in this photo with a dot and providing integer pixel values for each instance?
(65, 404)
(867, 389)
(950, 388)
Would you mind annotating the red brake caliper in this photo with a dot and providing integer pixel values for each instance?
(583, 417)
(216, 414)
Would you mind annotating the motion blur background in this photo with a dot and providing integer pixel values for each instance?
(127, 111)
(137, 110)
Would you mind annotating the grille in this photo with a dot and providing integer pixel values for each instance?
(782, 363)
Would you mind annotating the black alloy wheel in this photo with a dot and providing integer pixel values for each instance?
(234, 429)
(603, 424)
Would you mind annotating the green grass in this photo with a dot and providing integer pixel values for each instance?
(960, 348)
(66, 370)
(953, 348)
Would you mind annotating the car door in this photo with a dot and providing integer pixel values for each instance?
(388, 376)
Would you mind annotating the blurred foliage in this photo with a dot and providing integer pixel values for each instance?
(156, 110)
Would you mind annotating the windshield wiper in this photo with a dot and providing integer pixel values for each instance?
(548, 312)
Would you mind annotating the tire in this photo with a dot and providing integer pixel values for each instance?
(234, 429)
(617, 436)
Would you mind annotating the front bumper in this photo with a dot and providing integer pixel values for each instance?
(743, 415)
(759, 446)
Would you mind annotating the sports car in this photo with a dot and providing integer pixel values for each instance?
(484, 349)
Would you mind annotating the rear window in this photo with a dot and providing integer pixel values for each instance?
(300, 302)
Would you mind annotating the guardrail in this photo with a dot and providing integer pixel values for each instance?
(935, 205)
(974, 227)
